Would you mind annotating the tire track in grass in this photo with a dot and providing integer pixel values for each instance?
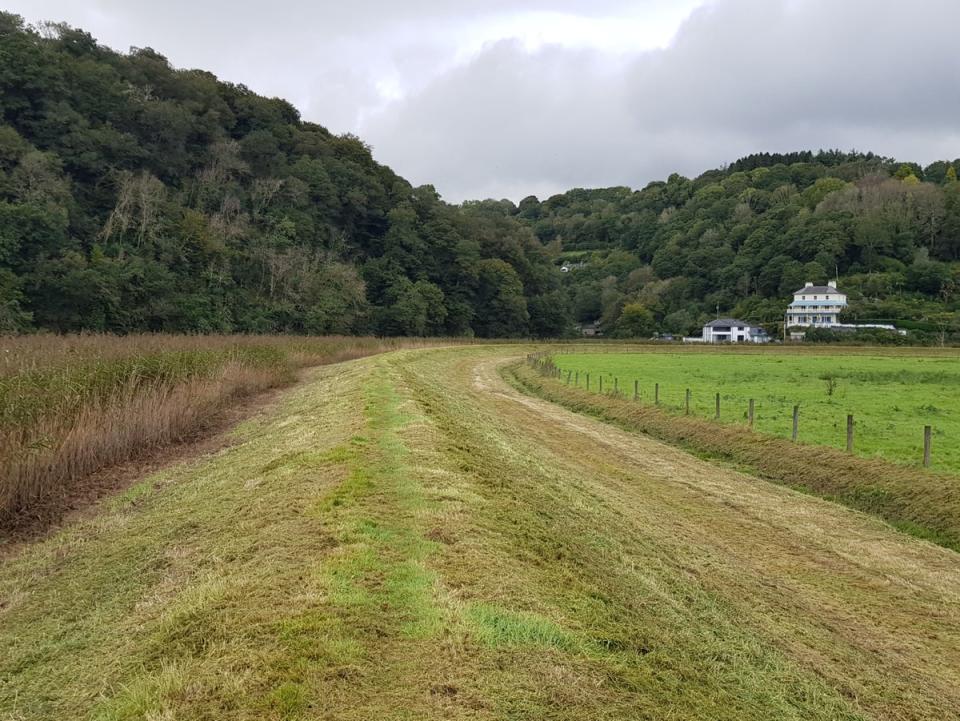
(590, 614)
(378, 586)
(877, 614)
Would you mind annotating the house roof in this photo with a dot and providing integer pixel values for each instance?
(725, 322)
(817, 289)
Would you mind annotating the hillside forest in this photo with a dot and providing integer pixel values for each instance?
(135, 196)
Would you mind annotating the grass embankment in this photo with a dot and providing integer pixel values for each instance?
(405, 537)
(922, 503)
(892, 395)
(70, 405)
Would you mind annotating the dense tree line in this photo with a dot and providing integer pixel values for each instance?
(135, 196)
(743, 238)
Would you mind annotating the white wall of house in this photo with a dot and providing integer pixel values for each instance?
(816, 306)
(733, 333)
(724, 334)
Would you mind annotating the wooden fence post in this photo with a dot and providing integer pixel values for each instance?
(588, 381)
(656, 394)
(616, 385)
(796, 423)
(577, 382)
(717, 414)
(927, 437)
(601, 382)
(849, 433)
(568, 377)
(636, 390)
(687, 407)
(750, 412)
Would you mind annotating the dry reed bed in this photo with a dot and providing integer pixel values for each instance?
(922, 503)
(72, 405)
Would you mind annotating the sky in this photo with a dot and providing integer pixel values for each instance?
(509, 98)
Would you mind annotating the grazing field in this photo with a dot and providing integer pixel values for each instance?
(891, 396)
(408, 537)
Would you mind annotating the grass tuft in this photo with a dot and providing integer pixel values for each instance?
(497, 626)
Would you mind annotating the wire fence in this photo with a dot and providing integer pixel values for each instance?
(543, 363)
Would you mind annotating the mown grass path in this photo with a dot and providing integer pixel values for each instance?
(407, 537)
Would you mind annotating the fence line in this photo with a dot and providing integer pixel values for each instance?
(545, 365)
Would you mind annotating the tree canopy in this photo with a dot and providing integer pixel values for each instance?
(135, 196)
(745, 237)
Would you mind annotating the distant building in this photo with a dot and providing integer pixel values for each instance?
(819, 306)
(591, 330)
(815, 306)
(732, 330)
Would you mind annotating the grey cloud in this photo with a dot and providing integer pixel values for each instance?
(546, 119)
(741, 76)
(761, 65)
(329, 58)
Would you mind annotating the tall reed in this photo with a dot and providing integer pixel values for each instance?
(71, 405)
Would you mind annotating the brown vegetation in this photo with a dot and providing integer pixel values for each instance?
(72, 405)
(408, 537)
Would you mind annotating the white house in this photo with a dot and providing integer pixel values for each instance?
(816, 306)
(731, 330)
(819, 306)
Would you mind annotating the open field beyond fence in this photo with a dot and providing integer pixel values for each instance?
(891, 396)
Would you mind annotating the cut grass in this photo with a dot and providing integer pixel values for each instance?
(405, 537)
(924, 504)
(501, 627)
(185, 592)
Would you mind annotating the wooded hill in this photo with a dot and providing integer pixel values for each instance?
(745, 237)
(136, 196)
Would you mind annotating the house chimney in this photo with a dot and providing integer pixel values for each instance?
(832, 283)
(808, 284)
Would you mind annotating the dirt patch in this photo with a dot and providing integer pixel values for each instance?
(47, 515)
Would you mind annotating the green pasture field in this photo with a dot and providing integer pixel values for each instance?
(892, 397)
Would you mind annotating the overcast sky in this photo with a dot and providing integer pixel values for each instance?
(506, 98)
